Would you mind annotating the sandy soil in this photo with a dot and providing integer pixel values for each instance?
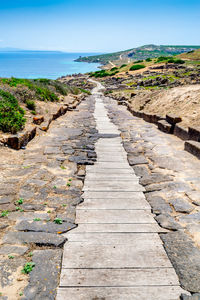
(182, 101)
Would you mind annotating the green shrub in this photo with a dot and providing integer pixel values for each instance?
(30, 105)
(162, 58)
(138, 61)
(114, 69)
(85, 91)
(136, 67)
(46, 95)
(60, 88)
(171, 61)
(179, 61)
(11, 114)
(122, 66)
(148, 59)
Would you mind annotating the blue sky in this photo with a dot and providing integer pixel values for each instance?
(98, 25)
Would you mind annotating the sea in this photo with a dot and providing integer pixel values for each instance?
(43, 64)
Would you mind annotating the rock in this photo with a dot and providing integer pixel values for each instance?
(185, 258)
(44, 278)
(193, 297)
(181, 132)
(8, 268)
(165, 126)
(194, 133)
(31, 206)
(168, 222)
(52, 150)
(181, 205)
(172, 119)
(136, 160)
(194, 196)
(7, 249)
(40, 239)
(192, 218)
(6, 199)
(45, 125)
(154, 178)
(193, 147)
(27, 216)
(65, 218)
(49, 227)
(158, 204)
(141, 170)
(19, 140)
(8, 190)
(166, 186)
(38, 120)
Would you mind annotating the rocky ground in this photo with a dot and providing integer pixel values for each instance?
(160, 89)
(40, 187)
(42, 184)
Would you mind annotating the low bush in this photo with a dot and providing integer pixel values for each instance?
(30, 104)
(148, 59)
(138, 61)
(136, 67)
(85, 91)
(11, 114)
(122, 66)
(162, 58)
(179, 61)
(114, 69)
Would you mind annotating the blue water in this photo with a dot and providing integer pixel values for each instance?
(42, 64)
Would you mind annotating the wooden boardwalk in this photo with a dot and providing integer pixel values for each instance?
(115, 253)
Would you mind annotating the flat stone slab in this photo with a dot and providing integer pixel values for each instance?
(123, 203)
(118, 277)
(114, 216)
(49, 227)
(121, 293)
(180, 248)
(17, 250)
(43, 280)
(141, 228)
(90, 255)
(42, 238)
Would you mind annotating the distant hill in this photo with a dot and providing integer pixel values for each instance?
(191, 55)
(139, 53)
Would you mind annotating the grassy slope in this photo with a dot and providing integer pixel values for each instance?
(193, 55)
(15, 92)
(139, 53)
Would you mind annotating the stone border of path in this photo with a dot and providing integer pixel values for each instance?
(171, 125)
(21, 139)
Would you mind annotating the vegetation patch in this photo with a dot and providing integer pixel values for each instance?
(28, 267)
(11, 114)
(103, 73)
(136, 67)
(30, 104)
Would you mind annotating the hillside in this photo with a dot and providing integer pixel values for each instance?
(191, 55)
(144, 52)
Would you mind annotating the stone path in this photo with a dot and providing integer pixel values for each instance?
(115, 252)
